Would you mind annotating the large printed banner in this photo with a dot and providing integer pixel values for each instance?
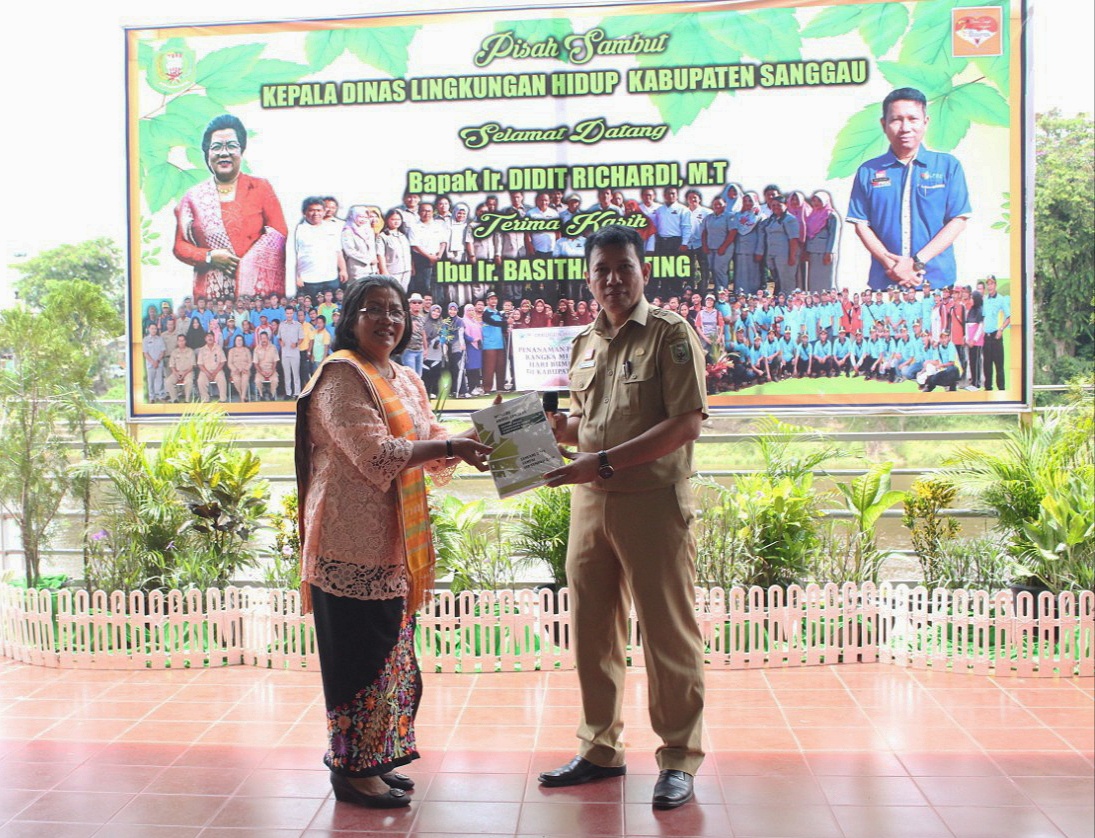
(831, 252)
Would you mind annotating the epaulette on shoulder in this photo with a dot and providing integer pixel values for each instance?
(670, 317)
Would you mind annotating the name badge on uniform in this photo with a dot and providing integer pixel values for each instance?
(880, 178)
(587, 361)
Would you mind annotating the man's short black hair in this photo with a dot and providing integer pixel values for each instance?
(614, 235)
(309, 201)
(904, 94)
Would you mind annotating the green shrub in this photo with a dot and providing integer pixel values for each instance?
(541, 529)
(474, 549)
(180, 515)
(973, 563)
(926, 499)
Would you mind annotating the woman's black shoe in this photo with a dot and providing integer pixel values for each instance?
(397, 780)
(346, 792)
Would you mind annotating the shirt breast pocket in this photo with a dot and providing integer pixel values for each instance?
(581, 380)
(932, 189)
(638, 386)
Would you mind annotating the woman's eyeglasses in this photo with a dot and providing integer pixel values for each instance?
(396, 315)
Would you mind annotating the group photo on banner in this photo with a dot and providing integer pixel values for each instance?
(830, 196)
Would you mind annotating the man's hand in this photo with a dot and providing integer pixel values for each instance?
(558, 423)
(902, 272)
(582, 468)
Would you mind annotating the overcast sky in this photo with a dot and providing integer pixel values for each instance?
(63, 95)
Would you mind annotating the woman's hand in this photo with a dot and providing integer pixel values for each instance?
(224, 260)
(471, 451)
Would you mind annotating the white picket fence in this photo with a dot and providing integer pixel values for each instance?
(523, 630)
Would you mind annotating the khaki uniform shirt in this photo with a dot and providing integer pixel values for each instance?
(210, 359)
(652, 370)
(266, 360)
(182, 360)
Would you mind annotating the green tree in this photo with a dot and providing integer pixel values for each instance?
(1064, 261)
(34, 408)
(98, 261)
(45, 385)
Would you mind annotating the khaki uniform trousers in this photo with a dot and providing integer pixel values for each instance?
(636, 545)
(203, 386)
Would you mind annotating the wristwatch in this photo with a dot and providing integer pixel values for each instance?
(209, 258)
(917, 264)
(604, 469)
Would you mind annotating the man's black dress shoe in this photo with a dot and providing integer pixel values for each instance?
(397, 780)
(347, 792)
(673, 789)
(580, 770)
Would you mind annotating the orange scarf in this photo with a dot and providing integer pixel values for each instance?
(414, 511)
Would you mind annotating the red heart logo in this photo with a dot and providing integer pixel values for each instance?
(976, 29)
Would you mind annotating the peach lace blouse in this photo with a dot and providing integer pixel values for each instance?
(353, 541)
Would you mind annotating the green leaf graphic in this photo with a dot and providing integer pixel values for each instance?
(928, 80)
(680, 109)
(537, 30)
(187, 117)
(163, 183)
(772, 34)
(693, 39)
(997, 70)
(323, 46)
(836, 20)
(385, 48)
(949, 121)
(928, 42)
(163, 134)
(982, 104)
(882, 26)
(274, 71)
(860, 139)
(247, 87)
(223, 66)
(144, 55)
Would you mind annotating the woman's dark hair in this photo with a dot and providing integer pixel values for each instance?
(353, 301)
(219, 123)
(402, 225)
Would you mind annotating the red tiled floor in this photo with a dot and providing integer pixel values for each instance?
(855, 751)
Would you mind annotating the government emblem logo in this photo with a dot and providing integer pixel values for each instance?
(173, 67)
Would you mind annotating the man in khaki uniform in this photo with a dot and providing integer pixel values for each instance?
(266, 367)
(211, 363)
(638, 397)
(182, 369)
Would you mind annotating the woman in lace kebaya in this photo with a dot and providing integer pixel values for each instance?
(365, 439)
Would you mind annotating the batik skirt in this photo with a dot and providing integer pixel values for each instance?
(371, 682)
